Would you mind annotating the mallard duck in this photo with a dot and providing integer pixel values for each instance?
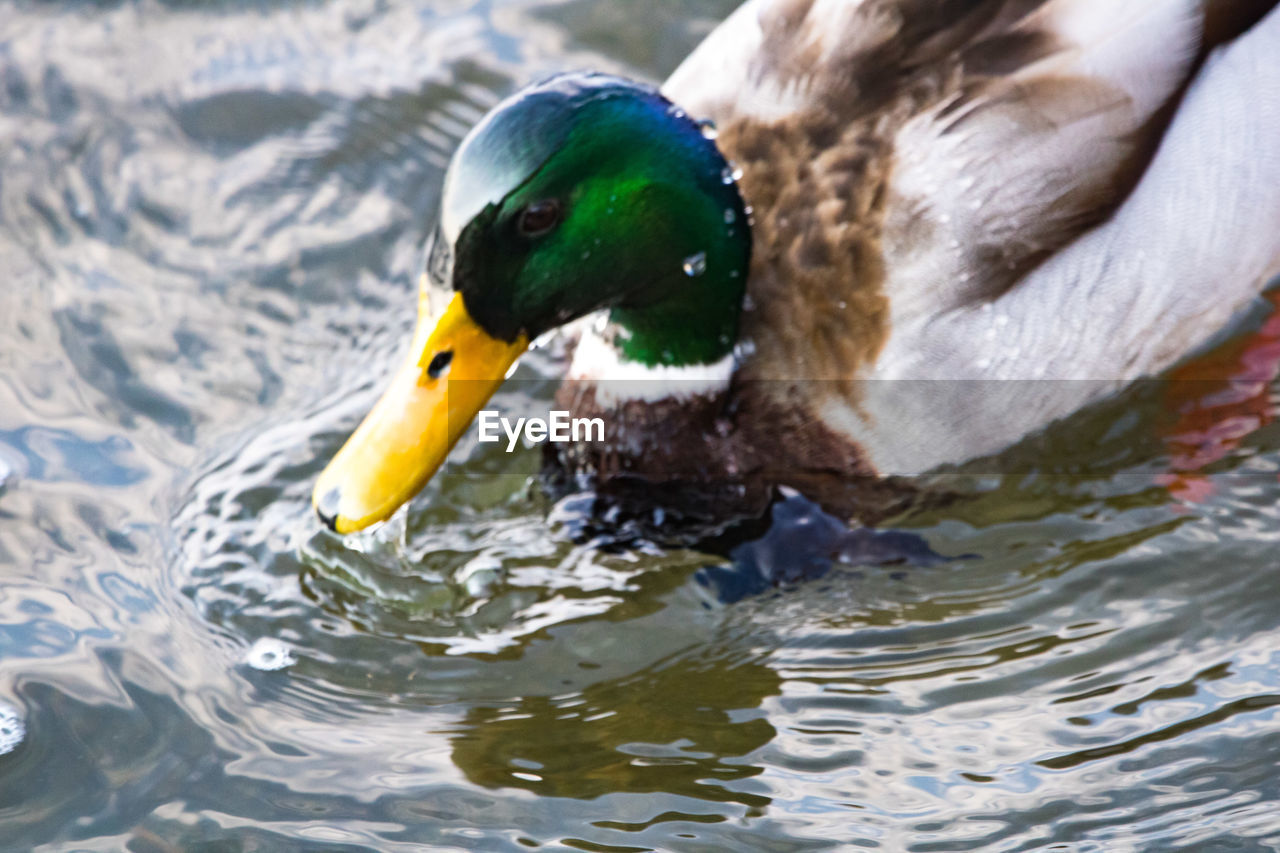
(846, 241)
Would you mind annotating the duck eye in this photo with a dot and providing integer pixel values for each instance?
(539, 218)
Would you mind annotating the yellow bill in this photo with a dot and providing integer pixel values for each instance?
(452, 371)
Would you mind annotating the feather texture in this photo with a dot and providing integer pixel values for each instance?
(956, 200)
(946, 190)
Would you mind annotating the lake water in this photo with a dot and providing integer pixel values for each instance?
(211, 217)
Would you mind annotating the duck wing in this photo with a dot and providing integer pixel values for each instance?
(991, 190)
(1007, 127)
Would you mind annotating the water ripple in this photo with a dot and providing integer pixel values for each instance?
(211, 219)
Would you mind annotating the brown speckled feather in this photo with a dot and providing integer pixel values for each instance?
(930, 151)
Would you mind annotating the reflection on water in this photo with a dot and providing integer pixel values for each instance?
(211, 218)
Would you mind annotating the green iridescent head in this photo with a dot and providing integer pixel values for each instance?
(587, 192)
(582, 193)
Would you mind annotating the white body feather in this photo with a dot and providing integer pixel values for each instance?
(1194, 243)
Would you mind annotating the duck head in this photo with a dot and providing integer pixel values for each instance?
(583, 193)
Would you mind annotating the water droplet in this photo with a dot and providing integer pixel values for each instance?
(269, 654)
(708, 128)
(730, 174)
(729, 216)
(545, 339)
(695, 265)
(601, 323)
(12, 729)
(675, 111)
(586, 255)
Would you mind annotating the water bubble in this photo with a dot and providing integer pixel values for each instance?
(269, 654)
(12, 729)
(729, 216)
(730, 174)
(695, 265)
(708, 128)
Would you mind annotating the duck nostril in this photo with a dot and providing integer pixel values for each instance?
(327, 508)
(440, 364)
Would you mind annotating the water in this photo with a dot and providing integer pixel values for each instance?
(210, 220)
